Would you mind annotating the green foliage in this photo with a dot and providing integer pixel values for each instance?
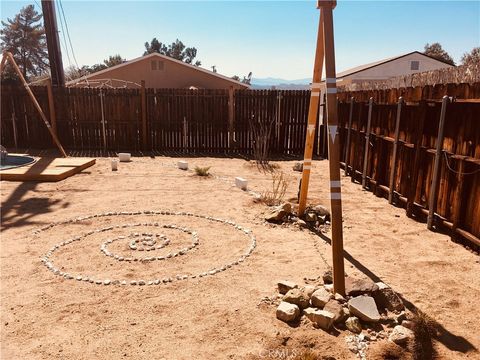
(202, 171)
(176, 50)
(24, 37)
(436, 51)
(113, 60)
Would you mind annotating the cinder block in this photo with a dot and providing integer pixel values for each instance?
(182, 165)
(241, 183)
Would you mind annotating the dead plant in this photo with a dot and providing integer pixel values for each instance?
(279, 187)
(261, 130)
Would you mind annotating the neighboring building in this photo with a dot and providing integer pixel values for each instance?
(158, 71)
(402, 65)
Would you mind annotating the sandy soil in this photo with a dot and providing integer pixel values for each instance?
(217, 317)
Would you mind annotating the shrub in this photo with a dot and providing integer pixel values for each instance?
(279, 188)
(202, 171)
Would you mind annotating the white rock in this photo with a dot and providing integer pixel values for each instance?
(401, 335)
(284, 286)
(287, 312)
(320, 297)
(365, 308)
(323, 319)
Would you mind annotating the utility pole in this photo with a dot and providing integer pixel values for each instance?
(53, 43)
(326, 50)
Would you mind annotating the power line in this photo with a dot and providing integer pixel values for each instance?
(68, 33)
(65, 46)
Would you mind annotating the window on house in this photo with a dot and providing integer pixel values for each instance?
(414, 65)
(157, 65)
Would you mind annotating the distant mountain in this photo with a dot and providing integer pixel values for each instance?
(269, 81)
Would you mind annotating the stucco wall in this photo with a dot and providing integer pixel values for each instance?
(398, 67)
(173, 75)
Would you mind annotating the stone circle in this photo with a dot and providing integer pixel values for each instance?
(142, 242)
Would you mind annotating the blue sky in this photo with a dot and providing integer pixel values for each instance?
(269, 38)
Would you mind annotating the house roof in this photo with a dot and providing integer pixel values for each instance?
(381, 62)
(164, 57)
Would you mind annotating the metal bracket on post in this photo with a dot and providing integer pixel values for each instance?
(432, 201)
(367, 143)
(349, 131)
(393, 170)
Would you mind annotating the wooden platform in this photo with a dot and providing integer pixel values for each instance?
(47, 169)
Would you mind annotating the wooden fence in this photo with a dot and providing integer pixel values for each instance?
(190, 121)
(405, 173)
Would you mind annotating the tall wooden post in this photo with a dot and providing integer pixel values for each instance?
(312, 117)
(325, 48)
(53, 43)
(432, 201)
(333, 151)
(144, 116)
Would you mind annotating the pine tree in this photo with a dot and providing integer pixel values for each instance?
(436, 51)
(24, 37)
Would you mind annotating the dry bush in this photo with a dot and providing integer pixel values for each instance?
(202, 171)
(261, 131)
(279, 187)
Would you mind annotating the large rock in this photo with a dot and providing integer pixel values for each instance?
(365, 308)
(298, 297)
(279, 212)
(309, 290)
(354, 325)
(284, 286)
(323, 319)
(322, 211)
(355, 287)
(287, 312)
(401, 335)
(386, 298)
(336, 309)
(320, 297)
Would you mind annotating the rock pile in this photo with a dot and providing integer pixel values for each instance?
(371, 311)
(314, 216)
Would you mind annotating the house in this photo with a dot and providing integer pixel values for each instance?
(402, 65)
(158, 71)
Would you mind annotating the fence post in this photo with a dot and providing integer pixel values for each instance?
(367, 143)
(231, 127)
(349, 132)
(104, 135)
(393, 170)
(144, 116)
(416, 162)
(432, 201)
(51, 106)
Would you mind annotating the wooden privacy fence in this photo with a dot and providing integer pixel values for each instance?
(392, 150)
(203, 121)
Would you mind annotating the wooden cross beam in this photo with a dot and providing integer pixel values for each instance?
(7, 56)
(325, 50)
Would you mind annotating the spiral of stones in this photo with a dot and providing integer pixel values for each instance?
(140, 282)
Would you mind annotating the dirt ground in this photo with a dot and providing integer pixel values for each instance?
(44, 316)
